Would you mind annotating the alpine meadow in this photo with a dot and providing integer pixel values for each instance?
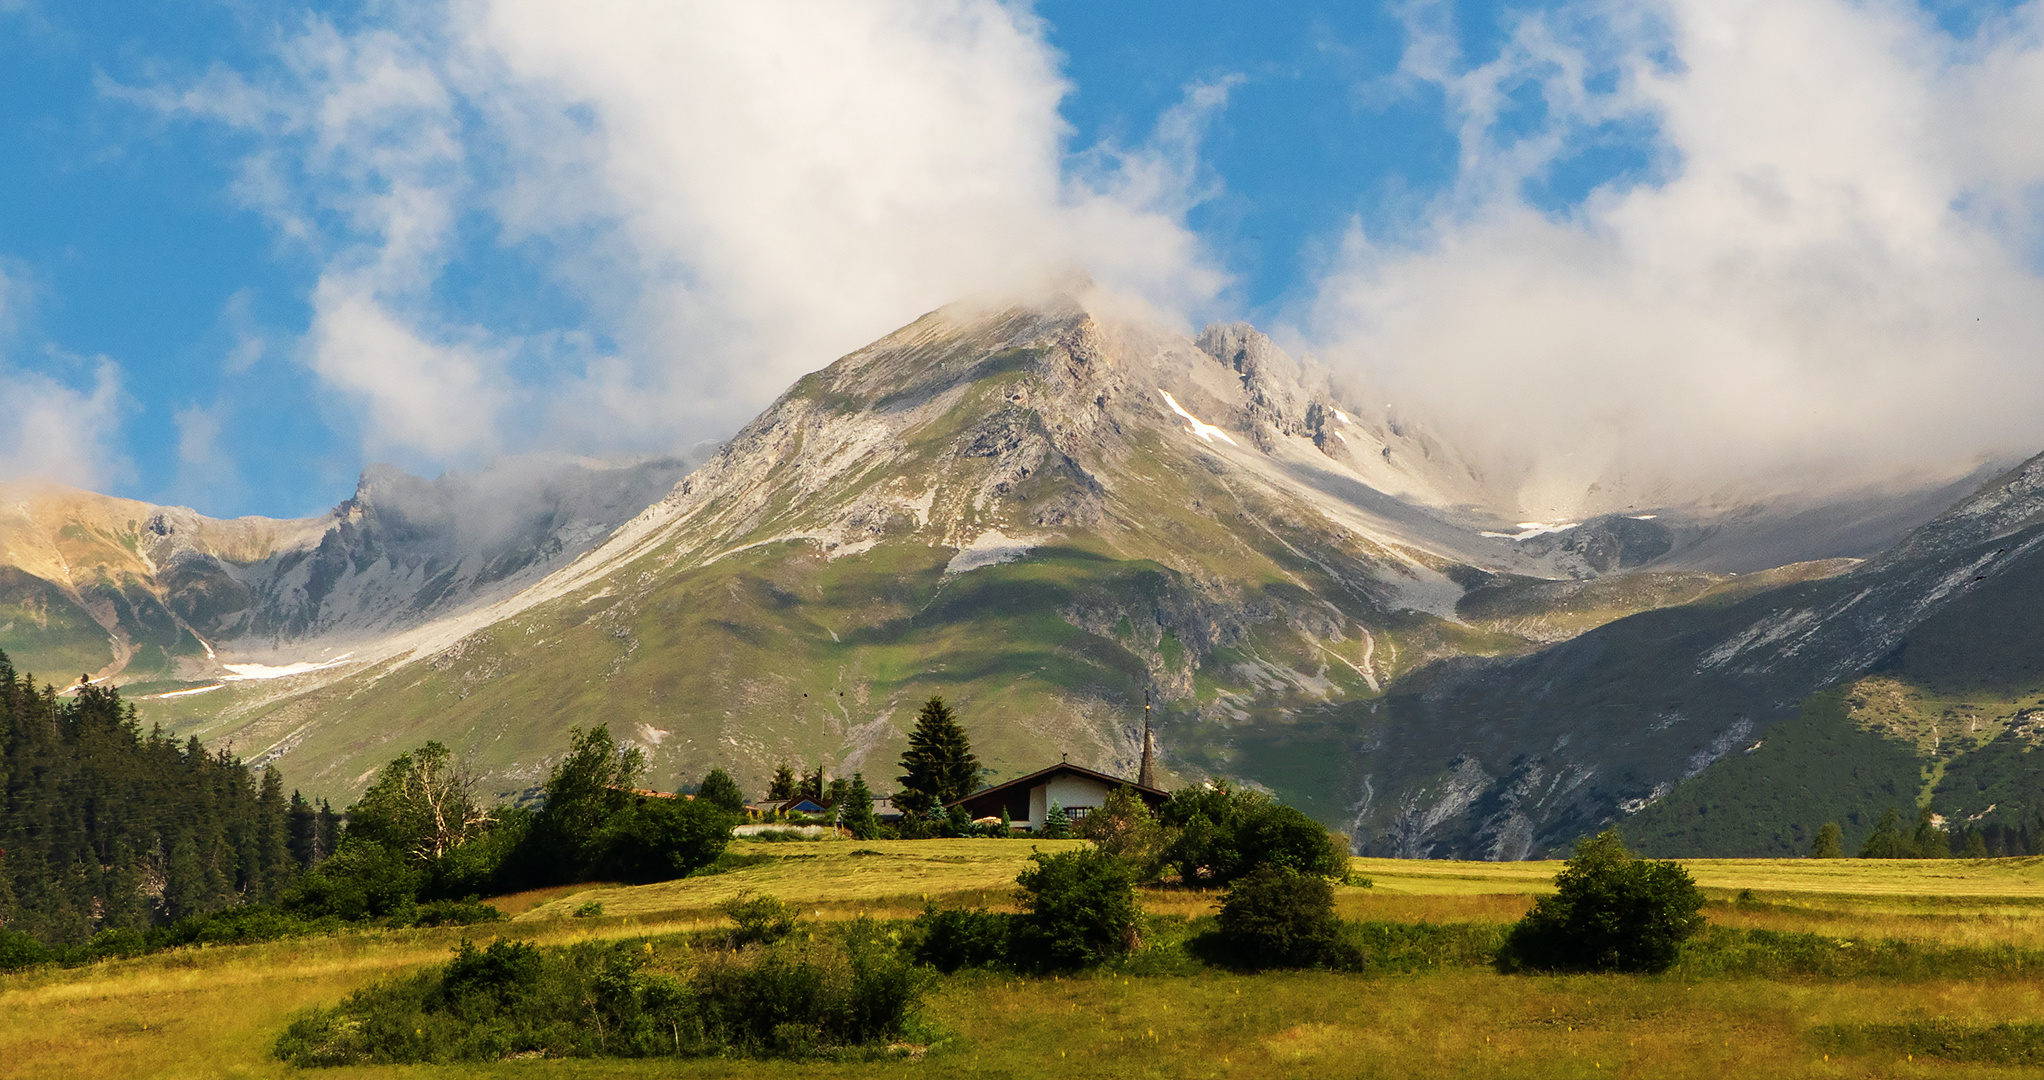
(1019, 538)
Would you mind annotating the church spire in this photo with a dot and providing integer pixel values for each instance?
(1147, 776)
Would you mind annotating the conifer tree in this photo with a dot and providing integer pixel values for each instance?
(719, 790)
(783, 786)
(857, 809)
(939, 766)
(1830, 842)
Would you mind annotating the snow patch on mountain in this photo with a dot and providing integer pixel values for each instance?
(992, 547)
(1194, 425)
(257, 672)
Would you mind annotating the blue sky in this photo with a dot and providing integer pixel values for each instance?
(247, 249)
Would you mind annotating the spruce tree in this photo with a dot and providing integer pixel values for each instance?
(1830, 842)
(719, 790)
(857, 809)
(939, 766)
(783, 786)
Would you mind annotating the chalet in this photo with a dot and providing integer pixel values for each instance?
(1027, 799)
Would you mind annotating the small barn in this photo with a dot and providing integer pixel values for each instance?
(1027, 799)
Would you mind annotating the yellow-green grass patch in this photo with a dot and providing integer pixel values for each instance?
(831, 872)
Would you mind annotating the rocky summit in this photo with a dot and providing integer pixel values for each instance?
(1041, 510)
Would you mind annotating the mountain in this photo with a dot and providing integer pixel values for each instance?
(1666, 722)
(1041, 509)
(1038, 510)
(128, 590)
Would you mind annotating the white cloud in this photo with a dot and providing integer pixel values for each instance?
(735, 194)
(1829, 272)
(50, 427)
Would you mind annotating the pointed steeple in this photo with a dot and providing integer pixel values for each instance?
(1147, 776)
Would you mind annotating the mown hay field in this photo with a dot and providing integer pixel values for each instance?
(215, 1012)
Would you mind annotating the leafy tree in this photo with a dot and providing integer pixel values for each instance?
(1277, 917)
(362, 880)
(720, 791)
(1830, 842)
(1125, 828)
(1078, 908)
(584, 794)
(1609, 912)
(939, 766)
(663, 839)
(422, 804)
(783, 786)
(1224, 833)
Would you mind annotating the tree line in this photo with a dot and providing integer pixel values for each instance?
(1930, 837)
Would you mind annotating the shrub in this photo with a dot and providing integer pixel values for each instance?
(1280, 918)
(467, 912)
(18, 950)
(1224, 834)
(1125, 828)
(760, 919)
(1610, 912)
(1079, 908)
(591, 910)
(361, 880)
(962, 938)
(663, 839)
(598, 1000)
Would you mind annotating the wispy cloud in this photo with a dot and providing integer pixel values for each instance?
(721, 197)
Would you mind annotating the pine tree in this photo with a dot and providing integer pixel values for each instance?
(1057, 825)
(783, 786)
(856, 812)
(719, 790)
(273, 837)
(939, 766)
(1830, 842)
(812, 785)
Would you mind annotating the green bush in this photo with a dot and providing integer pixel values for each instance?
(1280, 918)
(18, 950)
(962, 938)
(361, 880)
(1078, 909)
(467, 912)
(1223, 834)
(663, 839)
(600, 1000)
(1610, 912)
(761, 919)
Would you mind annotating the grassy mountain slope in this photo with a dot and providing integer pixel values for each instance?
(1519, 756)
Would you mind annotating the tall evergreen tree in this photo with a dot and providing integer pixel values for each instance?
(783, 786)
(939, 766)
(856, 811)
(719, 790)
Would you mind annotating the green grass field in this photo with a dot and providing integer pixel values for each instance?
(215, 1012)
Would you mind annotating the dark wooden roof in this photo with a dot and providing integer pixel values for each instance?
(1150, 795)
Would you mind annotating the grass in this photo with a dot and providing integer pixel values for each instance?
(869, 876)
(1926, 982)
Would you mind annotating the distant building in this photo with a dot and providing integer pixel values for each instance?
(1027, 799)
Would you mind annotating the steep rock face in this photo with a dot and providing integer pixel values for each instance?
(404, 550)
(1615, 719)
(114, 587)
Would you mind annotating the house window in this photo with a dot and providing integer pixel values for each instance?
(1076, 814)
